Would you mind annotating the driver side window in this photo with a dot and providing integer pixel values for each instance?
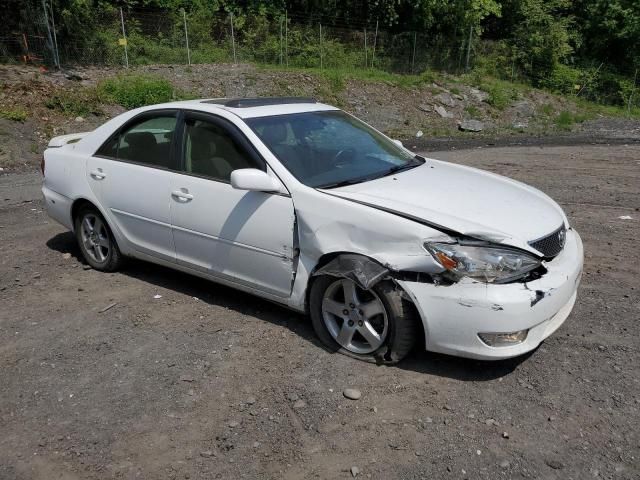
(210, 151)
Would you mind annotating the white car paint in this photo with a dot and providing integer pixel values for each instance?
(457, 197)
(270, 243)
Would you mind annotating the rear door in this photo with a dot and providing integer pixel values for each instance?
(241, 236)
(131, 175)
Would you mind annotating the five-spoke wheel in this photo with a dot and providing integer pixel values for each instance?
(95, 238)
(375, 324)
(355, 318)
(96, 241)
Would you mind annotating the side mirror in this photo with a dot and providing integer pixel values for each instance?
(254, 180)
(398, 143)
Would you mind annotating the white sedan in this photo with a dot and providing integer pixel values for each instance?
(301, 203)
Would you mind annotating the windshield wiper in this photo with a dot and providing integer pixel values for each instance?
(343, 183)
(416, 161)
(390, 171)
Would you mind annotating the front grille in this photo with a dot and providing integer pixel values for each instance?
(551, 245)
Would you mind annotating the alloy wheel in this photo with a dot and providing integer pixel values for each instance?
(355, 318)
(95, 238)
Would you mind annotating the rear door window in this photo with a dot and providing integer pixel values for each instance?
(147, 141)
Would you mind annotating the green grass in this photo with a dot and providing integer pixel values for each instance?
(590, 109)
(138, 90)
(14, 114)
(128, 90)
(501, 94)
(336, 81)
(564, 120)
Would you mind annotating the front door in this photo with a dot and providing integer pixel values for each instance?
(131, 176)
(241, 236)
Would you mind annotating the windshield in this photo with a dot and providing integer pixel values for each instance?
(330, 149)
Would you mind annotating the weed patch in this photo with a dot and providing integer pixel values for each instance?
(564, 120)
(473, 111)
(14, 114)
(135, 90)
(501, 94)
(80, 102)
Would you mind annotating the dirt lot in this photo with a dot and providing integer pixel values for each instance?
(207, 382)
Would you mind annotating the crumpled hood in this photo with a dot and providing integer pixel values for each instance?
(463, 199)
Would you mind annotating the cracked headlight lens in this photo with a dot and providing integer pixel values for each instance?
(486, 263)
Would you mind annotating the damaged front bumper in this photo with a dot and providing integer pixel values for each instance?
(454, 315)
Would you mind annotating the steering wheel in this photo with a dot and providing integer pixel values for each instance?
(343, 156)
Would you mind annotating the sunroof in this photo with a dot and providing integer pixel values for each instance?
(258, 102)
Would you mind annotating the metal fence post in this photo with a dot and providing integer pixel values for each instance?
(375, 41)
(286, 37)
(469, 48)
(55, 36)
(280, 40)
(124, 37)
(233, 39)
(321, 67)
(186, 36)
(413, 56)
(49, 36)
(366, 60)
(633, 91)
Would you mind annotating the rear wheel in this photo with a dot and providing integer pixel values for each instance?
(96, 241)
(375, 325)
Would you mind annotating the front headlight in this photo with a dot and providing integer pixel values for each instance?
(487, 263)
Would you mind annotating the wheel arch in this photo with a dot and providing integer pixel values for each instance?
(77, 204)
(327, 258)
(80, 202)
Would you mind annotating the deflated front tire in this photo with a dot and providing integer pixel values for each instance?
(376, 325)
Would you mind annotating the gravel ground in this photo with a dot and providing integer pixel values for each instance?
(99, 379)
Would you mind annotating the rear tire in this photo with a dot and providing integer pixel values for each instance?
(96, 241)
(377, 325)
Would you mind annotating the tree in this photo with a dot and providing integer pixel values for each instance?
(611, 32)
(540, 33)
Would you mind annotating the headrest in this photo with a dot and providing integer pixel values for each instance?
(203, 143)
(141, 140)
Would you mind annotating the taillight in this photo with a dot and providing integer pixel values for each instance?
(42, 165)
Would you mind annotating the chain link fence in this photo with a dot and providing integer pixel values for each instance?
(130, 37)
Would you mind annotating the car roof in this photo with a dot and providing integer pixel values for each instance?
(251, 107)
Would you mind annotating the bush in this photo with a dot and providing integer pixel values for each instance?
(563, 79)
(135, 90)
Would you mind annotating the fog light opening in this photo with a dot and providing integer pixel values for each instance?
(503, 339)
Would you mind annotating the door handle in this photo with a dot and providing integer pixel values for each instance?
(97, 174)
(182, 195)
